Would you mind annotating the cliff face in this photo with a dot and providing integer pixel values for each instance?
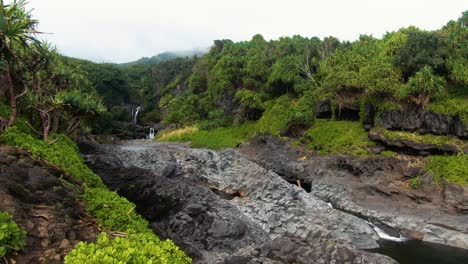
(423, 121)
(373, 188)
(45, 203)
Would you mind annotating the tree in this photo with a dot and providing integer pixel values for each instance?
(422, 87)
(17, 32)
(421, 48)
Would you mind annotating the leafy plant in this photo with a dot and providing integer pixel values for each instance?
(420, 138)
(338, 137)
(450, 169)
(222, 137)
(12, 236)
(114, 212)
(111, 211)
(423, 87)
(415, 182)
(136, 248)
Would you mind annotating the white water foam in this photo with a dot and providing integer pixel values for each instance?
(383, 235)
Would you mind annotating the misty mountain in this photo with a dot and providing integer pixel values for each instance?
(166, 56)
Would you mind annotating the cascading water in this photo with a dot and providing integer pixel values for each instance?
(383, 235)
(135, 116)
(151, 134)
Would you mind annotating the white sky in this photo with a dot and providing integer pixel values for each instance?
(125, 30)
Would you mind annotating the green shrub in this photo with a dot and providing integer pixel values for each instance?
(152, 117)
(450, 169)
(422, 87)
(451, 106)
(136, 248)
(63, 154)
(338, 137)
(120, 113)
(110, 210)
(114, 212)
(216, 118)
(420, 138)
(283, 116)
(388, 153)
(222, 137)
(276, 116)
(12, 237)
(415, 182)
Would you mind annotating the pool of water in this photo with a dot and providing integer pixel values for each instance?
(418, 252)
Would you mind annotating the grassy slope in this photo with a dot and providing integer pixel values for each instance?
(112, 212)
(222, 137)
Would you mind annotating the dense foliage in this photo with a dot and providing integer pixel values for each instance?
(112, 212)
(409, 67)
(51, 95)
(136, 248)
(449, 169)
(12, 237)
(338, 137)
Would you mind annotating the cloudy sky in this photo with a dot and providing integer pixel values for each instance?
(125, 30)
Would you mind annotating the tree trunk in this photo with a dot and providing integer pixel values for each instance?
(55, 125)
(12, 98)
(45, 119)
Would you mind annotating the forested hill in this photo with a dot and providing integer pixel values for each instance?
(237, 82)
(165, 56)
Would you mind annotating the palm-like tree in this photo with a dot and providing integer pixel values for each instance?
(17, 32)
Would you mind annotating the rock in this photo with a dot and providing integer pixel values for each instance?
(412, 147)
(43, 205)
(375, 188)
(213, 229)
(369, 116)
(323, 109)
(456, 196)
(414, 119)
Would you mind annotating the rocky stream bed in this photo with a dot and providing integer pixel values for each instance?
(270, 203)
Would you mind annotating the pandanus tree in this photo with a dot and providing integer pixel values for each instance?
(59, 93)
(17, 32)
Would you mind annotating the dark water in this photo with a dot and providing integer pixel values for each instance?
(418, 252)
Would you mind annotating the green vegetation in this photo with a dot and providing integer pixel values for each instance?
(223, 137)
(388, 153)
(12, 237)
(451, 106)
(338, 137)
(415, 182)
(112, 212)
(63, 154)
(136, 248)
(420, 138)
(284, 116)
(450, 169)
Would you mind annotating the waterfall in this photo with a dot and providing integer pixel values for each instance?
(383, 235)
(136, 115)
(151, 134)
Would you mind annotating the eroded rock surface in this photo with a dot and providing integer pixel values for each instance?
(222, 208)
(374, 188)
(45, 206)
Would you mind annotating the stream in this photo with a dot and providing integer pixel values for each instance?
(223, 208)
(419, 252)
